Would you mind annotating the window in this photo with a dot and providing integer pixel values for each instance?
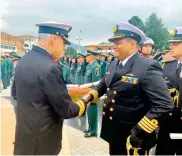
(13, 48)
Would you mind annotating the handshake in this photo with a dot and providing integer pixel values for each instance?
(88, 98)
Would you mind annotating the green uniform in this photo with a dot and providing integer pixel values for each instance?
(66, 72)
(92, 75)
(10, 70)
(73, 71)
(4, 73)
(99, 62)
(80, 74)
(103, 67)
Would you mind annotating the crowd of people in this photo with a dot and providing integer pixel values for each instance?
(7, 64)
(142, 96)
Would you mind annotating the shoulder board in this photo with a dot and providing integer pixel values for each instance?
(168, 61)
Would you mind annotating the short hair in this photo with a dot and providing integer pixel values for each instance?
(43, 36)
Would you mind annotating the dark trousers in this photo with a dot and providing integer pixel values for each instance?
(166, 145)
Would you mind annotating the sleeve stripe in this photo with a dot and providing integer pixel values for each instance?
(143, 127)
(95, 94)
(150, 122)
(147, 125)
(82, 107)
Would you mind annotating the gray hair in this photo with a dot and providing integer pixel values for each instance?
(43, 37)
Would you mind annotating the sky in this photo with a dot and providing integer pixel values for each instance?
(94, 18)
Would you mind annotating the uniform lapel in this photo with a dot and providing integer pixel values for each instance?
(172, 69)
(111, 72)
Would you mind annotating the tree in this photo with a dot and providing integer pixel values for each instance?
(156, 30)
(70, 51)
(136, 21)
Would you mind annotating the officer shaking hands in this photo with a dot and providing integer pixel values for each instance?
(173, 75)
(41, 94)
(136, 94)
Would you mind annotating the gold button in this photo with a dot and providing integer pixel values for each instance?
(181, 118)
(110, 117)
(104, 105)
(115, 92)
(113, 101)
(111, 109)
(108, 89)
(170, 114)
(104, 113)
(105, 96)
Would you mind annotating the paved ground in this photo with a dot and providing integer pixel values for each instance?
(73, 141)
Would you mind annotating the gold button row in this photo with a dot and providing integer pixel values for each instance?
(109, 117)
(113, 91)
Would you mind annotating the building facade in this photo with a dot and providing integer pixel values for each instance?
(10, 43)
(103, 48)
(29, 41)
(19, 44)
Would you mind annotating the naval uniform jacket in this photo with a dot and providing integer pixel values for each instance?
(135, 91)
(42, 104)
(165, 145)
(173, 81)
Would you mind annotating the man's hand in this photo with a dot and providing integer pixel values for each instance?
(87, 98)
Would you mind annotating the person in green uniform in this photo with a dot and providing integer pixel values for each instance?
(110, 57)
(98, 59)
(66, 71)
(81, 69)
(92, 75)
(103, 64)
(73, 69)
(4, 72)
(10, 69)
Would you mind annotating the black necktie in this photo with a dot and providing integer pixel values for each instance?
(179, 69)
(119, 66)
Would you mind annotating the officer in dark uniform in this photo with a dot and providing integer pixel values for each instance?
(146, 48)
(92, 75)
(81, 69)
(136, 95)
(42, 98)
(173, 76)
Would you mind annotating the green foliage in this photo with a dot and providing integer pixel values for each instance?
(156, 30)
(153, 28)
(136, 21)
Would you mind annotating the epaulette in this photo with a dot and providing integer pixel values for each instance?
(169, 61)
(166, 62)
